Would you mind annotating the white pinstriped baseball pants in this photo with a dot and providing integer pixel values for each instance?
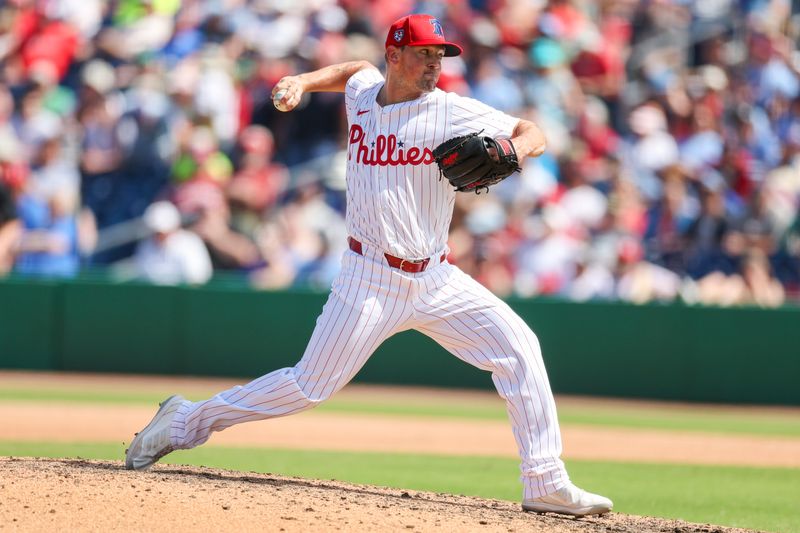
(369, 302)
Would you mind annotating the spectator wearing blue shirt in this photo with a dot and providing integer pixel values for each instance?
(49, 244)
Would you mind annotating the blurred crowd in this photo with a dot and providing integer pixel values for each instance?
(138, 136)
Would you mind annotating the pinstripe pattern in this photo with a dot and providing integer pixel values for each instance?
(397, 204)
(480, 329)
(406, 209)
(368, 303)
(371, 301)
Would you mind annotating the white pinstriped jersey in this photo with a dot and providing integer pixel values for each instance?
(397, 204)
(395, 199)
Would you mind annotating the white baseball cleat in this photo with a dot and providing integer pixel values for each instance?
(569, 500)
(152, 443)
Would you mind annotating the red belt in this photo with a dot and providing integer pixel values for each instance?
(406, 265)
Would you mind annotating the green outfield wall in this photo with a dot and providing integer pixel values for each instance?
(674, 351)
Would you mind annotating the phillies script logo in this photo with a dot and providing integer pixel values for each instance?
(384, 151)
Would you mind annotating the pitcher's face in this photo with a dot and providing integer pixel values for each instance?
(420, 66)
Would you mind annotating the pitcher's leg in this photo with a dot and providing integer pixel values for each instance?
(479, 328)
(353, 323)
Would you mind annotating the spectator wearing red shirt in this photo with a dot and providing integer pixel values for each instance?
(44, 39)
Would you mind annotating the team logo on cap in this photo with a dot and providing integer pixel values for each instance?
(398, 35)
(437, 27)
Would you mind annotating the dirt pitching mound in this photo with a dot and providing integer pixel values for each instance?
(78, 495)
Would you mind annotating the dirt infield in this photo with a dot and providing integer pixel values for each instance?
(77, 495)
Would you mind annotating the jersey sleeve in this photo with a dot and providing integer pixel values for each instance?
(357, 84)
(469, 115)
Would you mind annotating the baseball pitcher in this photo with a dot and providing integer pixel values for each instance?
(411, 149)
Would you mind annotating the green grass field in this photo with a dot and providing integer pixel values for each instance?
(759, 498)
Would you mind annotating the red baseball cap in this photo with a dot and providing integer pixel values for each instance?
(420, 30)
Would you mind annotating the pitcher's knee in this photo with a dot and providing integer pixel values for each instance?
(516, 362)
(314, 389)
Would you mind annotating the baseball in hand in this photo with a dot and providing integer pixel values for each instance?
(276, 100)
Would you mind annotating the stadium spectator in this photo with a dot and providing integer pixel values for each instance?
(13, 174)
(10, 229)
(171, 255)
(259, 182)
(49, 208)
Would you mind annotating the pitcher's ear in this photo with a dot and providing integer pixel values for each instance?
(393, 53)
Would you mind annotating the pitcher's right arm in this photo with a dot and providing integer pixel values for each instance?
(332, 78)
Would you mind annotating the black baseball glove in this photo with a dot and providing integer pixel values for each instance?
(468, 163)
